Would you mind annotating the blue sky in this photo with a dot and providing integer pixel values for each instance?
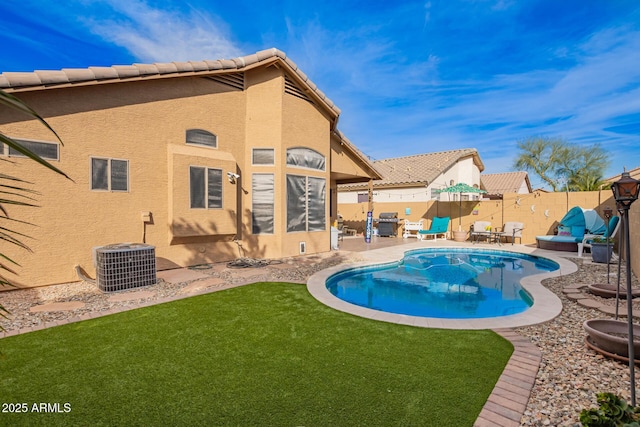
(409, 76)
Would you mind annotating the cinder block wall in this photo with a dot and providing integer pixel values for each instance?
(539, 211)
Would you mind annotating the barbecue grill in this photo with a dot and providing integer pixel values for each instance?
(388, 224)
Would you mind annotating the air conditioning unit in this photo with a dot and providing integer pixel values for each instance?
(124, 266)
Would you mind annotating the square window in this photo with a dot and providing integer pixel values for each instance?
(109, 174)
(205, 188)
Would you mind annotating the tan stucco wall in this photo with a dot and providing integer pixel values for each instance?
(145, 123)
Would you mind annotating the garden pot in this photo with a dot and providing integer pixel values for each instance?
(599, 252)
(612, 336)
(460, 236)
(606, 290)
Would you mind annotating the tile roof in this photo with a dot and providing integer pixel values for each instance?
(69, 77)
(507, 182)
(418, 169)
(634, 173)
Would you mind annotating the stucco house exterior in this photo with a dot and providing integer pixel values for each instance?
(408, 183)
(207, 161)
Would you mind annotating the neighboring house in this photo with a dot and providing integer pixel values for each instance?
(418, 178)
(633, 173)
(497, 184)
(207, 161)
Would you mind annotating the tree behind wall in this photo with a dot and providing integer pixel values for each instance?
(14, 191)
(562, 165)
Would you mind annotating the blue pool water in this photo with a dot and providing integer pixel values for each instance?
(443, 283)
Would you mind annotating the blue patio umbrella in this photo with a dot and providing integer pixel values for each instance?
(461, 187)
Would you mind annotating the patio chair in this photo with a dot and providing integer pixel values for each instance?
(439, 226)
(410, 226)
(614, 224)
(481, 229)
(512, 230)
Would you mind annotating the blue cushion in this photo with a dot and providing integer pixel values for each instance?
(613, 222)
(439, 224)
(577, 231)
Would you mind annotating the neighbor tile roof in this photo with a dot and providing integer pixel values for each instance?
(69, 77)
(507, 182)
(634, 173)
(418, 169)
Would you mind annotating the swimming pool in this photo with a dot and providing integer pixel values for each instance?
(443, 283)
(546, 304)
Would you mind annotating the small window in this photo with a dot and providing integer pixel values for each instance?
(205, 188)
(305, 158)
(46, 150)
(109, 174)
(202, 137)
(363, 197)
(263, 156)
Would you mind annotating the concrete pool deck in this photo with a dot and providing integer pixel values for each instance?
(546, 304)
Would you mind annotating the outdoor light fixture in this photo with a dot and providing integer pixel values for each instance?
(608, 213)
(625, 191)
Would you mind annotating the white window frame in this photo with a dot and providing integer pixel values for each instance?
(206, 188)
(109, 174)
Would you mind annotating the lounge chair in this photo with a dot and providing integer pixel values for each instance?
(439, 226)
(512, 230)
(481, 229)
(573, 226)
(410, 226)
(614, 224)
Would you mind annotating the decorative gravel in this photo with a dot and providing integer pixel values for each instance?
(569, 377)
(570, 373)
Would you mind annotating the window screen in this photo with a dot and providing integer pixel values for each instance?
(363, 197)
(202, 137)
(205, 188)
(263, 156)
(119, 173)
(99, 174)
(306, 158)
(196, 187)
(262, 206)
(214, 188)
(46, 150)
(109, 174)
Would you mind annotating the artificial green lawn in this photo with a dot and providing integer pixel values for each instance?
(263, 354)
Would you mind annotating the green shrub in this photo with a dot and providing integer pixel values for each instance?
(613, 411)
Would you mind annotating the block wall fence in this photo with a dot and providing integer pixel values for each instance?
(540, 212)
